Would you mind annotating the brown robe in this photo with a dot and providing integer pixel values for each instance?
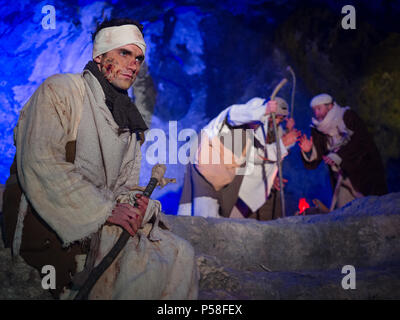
(361, 161)
(40, 244)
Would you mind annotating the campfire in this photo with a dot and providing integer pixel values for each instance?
(305, 209)
(303, 205)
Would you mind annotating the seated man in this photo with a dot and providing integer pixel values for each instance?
(78, 157)
(340, 138)
(241, 187)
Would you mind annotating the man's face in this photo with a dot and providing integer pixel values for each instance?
(121, 66)
(321, 110)
(278, 119)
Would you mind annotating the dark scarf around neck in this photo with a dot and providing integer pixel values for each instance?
(124, 111)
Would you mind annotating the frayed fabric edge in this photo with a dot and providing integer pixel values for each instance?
(88, 235)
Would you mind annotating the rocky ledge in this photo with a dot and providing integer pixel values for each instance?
(291, 258)
(300, 257)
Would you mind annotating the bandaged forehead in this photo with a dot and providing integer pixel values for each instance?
(111, 38)
(322, 98)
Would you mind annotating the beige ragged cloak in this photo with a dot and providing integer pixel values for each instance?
(75, 199)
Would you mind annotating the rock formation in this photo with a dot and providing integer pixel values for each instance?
(290, 258)
(300, 257)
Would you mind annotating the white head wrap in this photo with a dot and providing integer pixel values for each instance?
(111, 38)
(283, 108)
(322, 98)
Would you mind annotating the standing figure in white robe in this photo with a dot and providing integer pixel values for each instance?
(235, 170)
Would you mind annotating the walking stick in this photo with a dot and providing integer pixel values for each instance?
(336, 192)
(278, 146)
(157, 177)
(289, 68)
(341, 181)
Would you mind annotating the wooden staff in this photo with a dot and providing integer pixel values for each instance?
(289, 68)
(278, 146)
(157, 174)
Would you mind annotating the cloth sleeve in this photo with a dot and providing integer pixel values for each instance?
(357, 148)
(72, 206)
(237, 115)
(311, 155)
(318, 150)
(252, 111)
(335, 158)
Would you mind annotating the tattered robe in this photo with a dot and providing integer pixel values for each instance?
(357, 155)
(213, 188)
(75, 199)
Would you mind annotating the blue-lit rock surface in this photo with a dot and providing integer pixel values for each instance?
(204, 56)
(291, 258)
(300, 257)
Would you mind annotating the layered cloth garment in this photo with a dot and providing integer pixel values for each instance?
(343, 137)
(228, 178)
(74, 199)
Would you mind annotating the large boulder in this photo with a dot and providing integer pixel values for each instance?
(290, 258)
(366, 232)
(300, 257)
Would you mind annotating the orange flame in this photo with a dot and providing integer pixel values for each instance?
(303, 205)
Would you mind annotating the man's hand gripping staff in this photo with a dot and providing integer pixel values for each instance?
(129, 216)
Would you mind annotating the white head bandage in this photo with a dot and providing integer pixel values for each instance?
(322, 98)
(283, 108)
(111, 38)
